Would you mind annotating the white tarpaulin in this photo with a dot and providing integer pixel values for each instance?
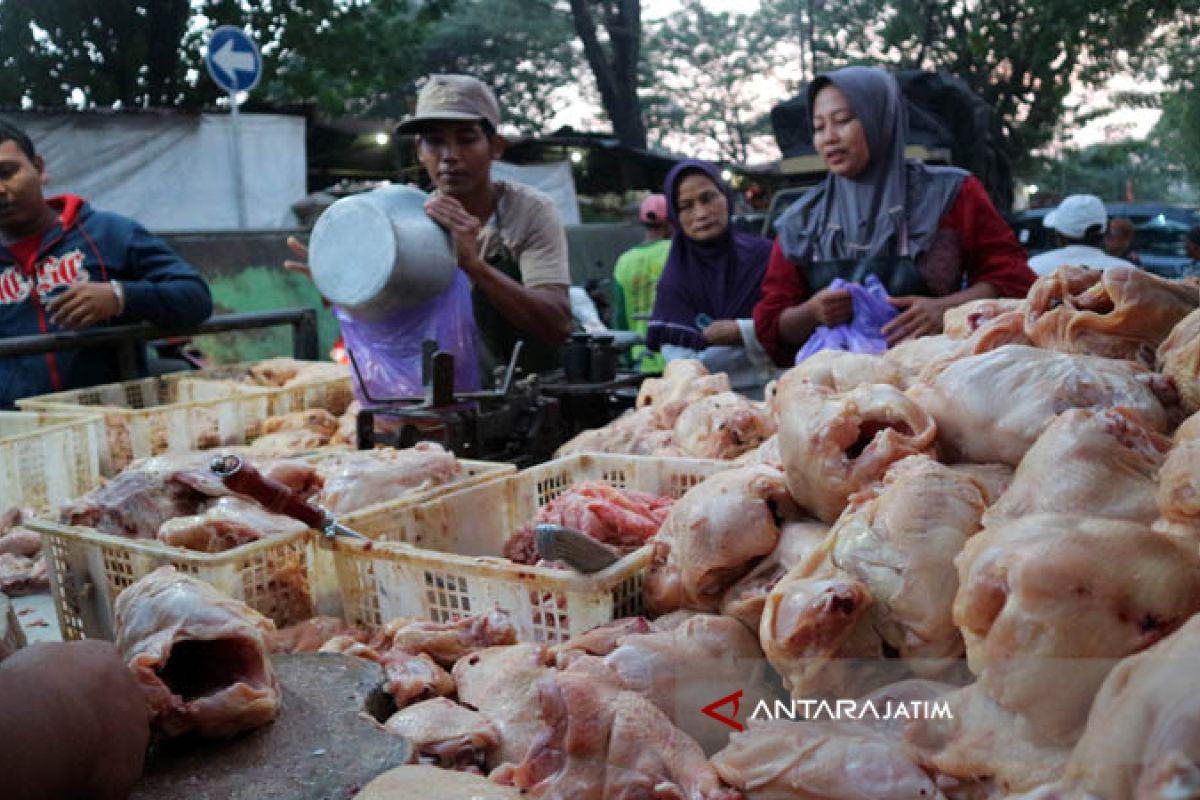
(554, 179)
(174, 172)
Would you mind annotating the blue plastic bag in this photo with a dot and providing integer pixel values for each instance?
(388, 352)
(862, 334)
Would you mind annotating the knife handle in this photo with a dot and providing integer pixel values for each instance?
(242, 478)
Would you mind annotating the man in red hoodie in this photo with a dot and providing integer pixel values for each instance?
(67, 266)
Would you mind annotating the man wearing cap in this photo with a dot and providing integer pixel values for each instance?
(1079, 223)
(508, 238)
(637, 273)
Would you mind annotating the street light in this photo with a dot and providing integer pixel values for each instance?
(576, 157)
(1033, 188)
(382, 138)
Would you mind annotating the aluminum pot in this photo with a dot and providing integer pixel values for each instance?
(378, 252)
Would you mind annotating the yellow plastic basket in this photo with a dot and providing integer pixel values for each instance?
(48, 459)
(334, 394)
(441, 559)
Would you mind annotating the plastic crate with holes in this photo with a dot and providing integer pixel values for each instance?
(150, 416)
(326, 386)
(89, 569)
(441, 559)
(48, 459)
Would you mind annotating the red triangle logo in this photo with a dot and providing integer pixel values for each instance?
(736, 699)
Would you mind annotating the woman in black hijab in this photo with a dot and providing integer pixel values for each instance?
(930, 234)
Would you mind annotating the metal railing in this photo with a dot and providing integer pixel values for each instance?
(125, 339)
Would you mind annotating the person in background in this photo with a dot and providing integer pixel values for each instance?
(1118, 242)
(930, 234)
(67, 266)
(73, 723)
(637, 274)
(1079, 224)
(711, 280)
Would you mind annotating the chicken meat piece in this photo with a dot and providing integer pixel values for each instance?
(1094, 463)
(684, 381)
(21, 542)
(836, 444)
(984, 748)
(201, 659)
(310, 635)
(446, 642)
(1178, 358)
(713, 536)
(624, 435)
(356, 480)
(1123, 312)
(899, 538)
(602, 743)
(1178, 495)
(139, 500)
(686, 668)
(1040, 592)
(800, 542)
(786, 760)
(842, 371)
(316, 420)
(445, 734)
(990, 408)
(286, 443)
(412, 677)
(1007, 328)
(347, 429)
(227, 523)
(501, 684)
(599, 641)
(274, 372)
(815, 631)
(428, 782)
(963, 320)
(20, 576)
(1143, 736)
(722, 426)
(623, 518)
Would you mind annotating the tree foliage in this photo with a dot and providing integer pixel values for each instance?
(613, 51)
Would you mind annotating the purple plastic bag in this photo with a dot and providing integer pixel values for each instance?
(388, 351)
(862, 335)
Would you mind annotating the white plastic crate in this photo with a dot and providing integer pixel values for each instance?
(334, 394)
(48, 459)
(89, 569)
(441, 559)
(150, 416)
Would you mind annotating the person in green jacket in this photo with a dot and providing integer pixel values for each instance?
(636, 275)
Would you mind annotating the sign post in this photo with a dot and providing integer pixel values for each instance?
(235, 64)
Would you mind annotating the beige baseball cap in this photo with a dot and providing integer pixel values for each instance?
(452, 98)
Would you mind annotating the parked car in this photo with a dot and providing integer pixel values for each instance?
(1158, 237)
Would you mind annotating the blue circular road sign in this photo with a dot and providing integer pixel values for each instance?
(233, 59)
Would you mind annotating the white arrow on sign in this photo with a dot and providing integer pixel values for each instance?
(228, 60)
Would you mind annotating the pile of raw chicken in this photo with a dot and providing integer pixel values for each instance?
(1004, 518)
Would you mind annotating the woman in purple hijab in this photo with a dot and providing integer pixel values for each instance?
(711, 279)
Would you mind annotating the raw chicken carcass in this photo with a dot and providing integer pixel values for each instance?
(914, 355)
(446, 642)
(990, 408)
(427, 782)
(201, 659)
(684, 669)
(800, 542)
(602, 743)
(628, 434)
(786, 760)
(1179, 483)
(766, 453)
(347, 429)
(316, 420)
(684, 382)
(1179, 359)
(992, 479)
(722, 426)
(835, 444)
(310, 635)
(599, 641)
(1049, 602)
(410, 677)
(1143, 736)
(286, 443)
(227, 523)
(714, 535)
(899, 537)
(501, 684)
(445, 734)
(1095, 463)
(842, 371)
(356, 480)
(1123, 312)
(963, 320)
